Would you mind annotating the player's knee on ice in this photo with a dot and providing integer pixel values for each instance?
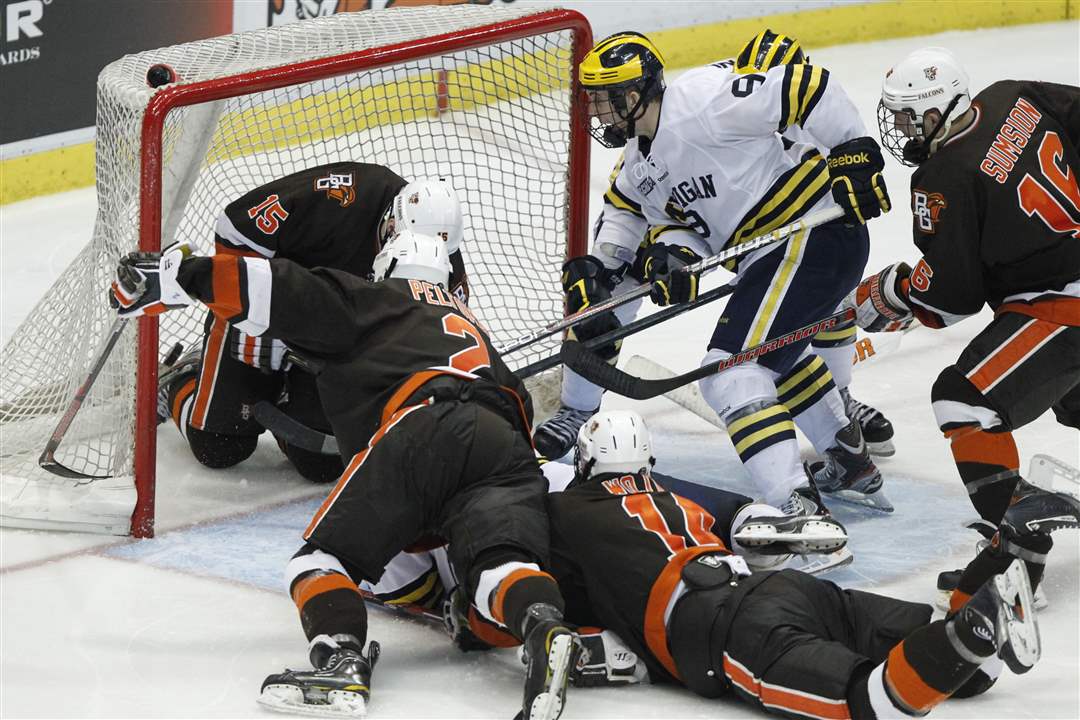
(217, 450)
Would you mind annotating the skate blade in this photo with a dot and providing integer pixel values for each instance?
(548, 705)
(816, 536)
(885, 448)
(821, 564)
(290, 699)
(1023, 647)
(1049, 473)
(875, 500)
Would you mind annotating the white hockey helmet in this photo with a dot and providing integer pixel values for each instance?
(429, 207)
(927, 79)
(613, 441)
(413, 256)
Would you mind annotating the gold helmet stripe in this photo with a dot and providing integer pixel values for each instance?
(593, 73)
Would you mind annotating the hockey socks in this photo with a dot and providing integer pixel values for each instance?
(940, 659)
(989, 465)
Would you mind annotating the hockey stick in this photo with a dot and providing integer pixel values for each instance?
(631, 328)
(808, 222)
(48, 460)
(293, 431)
(594, 369)
(870, 349)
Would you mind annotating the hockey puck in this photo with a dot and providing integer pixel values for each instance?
(160, 74)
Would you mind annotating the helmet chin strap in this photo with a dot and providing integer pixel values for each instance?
(918, 151)
(620, 136)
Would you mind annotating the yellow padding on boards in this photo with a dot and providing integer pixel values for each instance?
(47, 172)
(701, 44)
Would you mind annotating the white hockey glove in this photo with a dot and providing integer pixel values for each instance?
(259, 351)
(146, 282)
(880, 301)
(605, 660)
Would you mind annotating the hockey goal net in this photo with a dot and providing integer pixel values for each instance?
(485, 97)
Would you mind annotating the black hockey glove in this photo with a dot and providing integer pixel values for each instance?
(587, 283)
(663, 268)
(857, 185)
(259, 351)
(880, 301)
(146, 282)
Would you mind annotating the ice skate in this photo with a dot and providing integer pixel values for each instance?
(848, 473)
(799, 535)
(1033, 509)
(339, 686)
(550, 651)
(174, 371)
(1003, 611)
(948, 580)
(556, 436)
(876, 428)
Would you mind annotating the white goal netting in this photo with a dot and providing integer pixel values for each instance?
(490, 114)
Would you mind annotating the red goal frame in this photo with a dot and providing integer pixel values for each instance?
(170, 98)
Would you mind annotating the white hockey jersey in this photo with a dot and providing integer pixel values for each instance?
(726, 163)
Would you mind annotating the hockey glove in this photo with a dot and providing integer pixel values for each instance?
(857, 185)
(663, 268)
(259, 351)
(587, 282)
(146, 282)
(880, 301)
(605, 660)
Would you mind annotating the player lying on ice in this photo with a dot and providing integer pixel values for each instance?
(705, 169)
(997, 218)
(651, 568)
(334, 216)
(435, 434)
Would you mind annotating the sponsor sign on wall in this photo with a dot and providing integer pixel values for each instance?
(51, 52)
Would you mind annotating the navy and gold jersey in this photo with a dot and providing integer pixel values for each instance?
(618, 546)
(378, 343)
(997, 209)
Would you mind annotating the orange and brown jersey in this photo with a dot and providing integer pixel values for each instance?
(618, 546)
(324, 216)
(997, 210)
(379, 344)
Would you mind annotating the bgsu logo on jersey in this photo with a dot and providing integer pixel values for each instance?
(927, 209)
(338, 186)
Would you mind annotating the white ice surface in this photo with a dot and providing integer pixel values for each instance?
(188, 624)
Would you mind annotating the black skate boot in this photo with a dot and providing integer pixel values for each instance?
(791, 534)
(550, 651)
(340, 684)
(1002, 612)
(948, 580)
(876, 428)
(1033, 509)
(849, 474)
(556, 436)
(173, 372)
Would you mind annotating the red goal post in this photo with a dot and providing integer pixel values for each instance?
(492, 104)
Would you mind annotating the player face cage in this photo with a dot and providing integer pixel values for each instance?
(767, 50)
(902, 132)
(617, 65)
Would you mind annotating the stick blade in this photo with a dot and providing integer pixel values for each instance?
(48, 462)
(596, 370)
